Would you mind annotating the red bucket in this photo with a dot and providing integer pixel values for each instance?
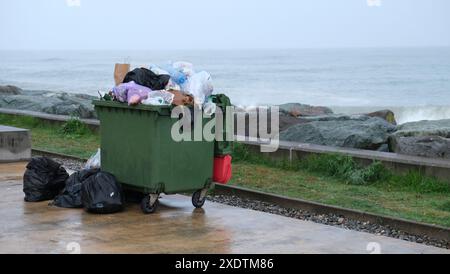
(222, 169)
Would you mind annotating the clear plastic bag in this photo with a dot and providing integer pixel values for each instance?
(154, 101)
(172, 85)
(185, 67)
(199, 86)
(158, 71)
(176, 76)
(179, 72)
(94, 161)
(159, 97)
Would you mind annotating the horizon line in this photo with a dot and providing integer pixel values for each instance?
(229, 49)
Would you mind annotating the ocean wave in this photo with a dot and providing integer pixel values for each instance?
(411, 114)
(403, 114)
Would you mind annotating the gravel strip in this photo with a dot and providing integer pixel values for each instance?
(68, 163)
(327, 219)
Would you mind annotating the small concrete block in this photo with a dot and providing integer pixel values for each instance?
(15, 144)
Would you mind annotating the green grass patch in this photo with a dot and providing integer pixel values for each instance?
(74, 128)
(445, 206)
(346, 170)
(72, 138)
(339, 180)
(431, 207)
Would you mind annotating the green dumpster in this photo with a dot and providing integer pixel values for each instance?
(137, 147)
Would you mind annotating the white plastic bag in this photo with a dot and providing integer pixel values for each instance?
(94, 161)
(154, 101)
(184, 67)
(159, 97)
(172, 85)
(199, 86)
(158, 71)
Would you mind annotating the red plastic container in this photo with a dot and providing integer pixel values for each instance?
(222, 169)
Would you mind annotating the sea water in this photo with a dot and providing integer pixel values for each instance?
(414, 82)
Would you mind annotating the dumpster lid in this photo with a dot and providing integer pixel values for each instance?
(162, 110)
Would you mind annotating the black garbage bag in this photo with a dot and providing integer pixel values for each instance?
(101, 193)
(43, 179)
(70, 197)
(148, 78)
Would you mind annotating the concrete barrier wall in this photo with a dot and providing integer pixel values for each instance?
(15, 144)
(290, 151)
(50, 118)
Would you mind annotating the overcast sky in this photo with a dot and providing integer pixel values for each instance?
(222, 24)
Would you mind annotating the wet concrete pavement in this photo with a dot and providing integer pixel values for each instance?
(176, 227)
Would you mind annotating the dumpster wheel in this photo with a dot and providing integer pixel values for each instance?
(149, 203)
(199, 198)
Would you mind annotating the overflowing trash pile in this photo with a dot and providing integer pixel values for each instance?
(172, 84)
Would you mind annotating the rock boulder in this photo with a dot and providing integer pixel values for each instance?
(9, 90)
(298, 110)
(362, 132)
(285, 121)
(49, 102)
(424, 128)
(385, 114)
(425, 146)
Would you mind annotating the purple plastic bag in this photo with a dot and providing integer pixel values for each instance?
(131, 92)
